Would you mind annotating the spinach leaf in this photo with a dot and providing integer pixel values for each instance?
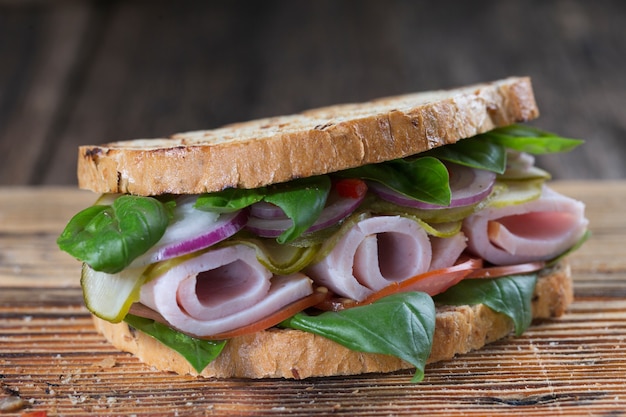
(229, 200)
(109, 237)
(401, 325)
(424, 178)
(198, 352)
(510, 295)
(475, 153)
(529, 139)
(302, 201)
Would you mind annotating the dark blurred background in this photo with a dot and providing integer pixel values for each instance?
(89, 72)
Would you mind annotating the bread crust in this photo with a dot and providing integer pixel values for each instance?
(319, 141)
(288, 353)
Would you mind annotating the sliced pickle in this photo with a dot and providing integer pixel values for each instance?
(279, 259)
(285, 259)
(156, 270)
(515, 192)
(522, 174)
(447, 229)
(444, 215)
(109, 296)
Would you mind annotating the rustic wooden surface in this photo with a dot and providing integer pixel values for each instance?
(54, 360)
(91, 71)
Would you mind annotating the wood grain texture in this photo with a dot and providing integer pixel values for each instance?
(97, 71)
(51, 356)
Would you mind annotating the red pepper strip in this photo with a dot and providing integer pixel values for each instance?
(502, 271)
(273, 319)
(351, 188)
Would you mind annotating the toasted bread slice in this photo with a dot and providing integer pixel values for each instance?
(288, 353)
(320, 141)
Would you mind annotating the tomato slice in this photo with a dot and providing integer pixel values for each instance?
(273, 319)
(437, 281)
(431, 282)
(505, 270)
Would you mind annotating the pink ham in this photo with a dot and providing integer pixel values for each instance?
(221, 290)
(446, 250)
(538, 230)
(372, 254)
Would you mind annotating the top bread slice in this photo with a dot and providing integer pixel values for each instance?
(278, 149)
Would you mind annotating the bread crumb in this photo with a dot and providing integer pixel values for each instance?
(65, 379)
(106, 363)
(77, 399)
(11, 403)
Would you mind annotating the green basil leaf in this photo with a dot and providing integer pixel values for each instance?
(475, 153)
(198, 352)
(510, 295)
(531, 140)
(302, 200)
(229, 200)
(401, 325)
(109, 237)
(424, 179)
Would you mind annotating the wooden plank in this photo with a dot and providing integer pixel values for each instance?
(194, 69)
(52, 357)
(30, 221)
(41, 80)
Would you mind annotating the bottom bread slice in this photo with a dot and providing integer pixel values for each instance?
(288, 353)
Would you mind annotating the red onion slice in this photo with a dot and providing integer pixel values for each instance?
(468, 186)
(265, 210)
(192, 230)
(338, 209)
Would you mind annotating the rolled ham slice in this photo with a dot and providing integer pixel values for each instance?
(373, 253)
(538, 230)
(446, 250)
(221, 290)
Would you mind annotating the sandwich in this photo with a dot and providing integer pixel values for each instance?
(350, 239)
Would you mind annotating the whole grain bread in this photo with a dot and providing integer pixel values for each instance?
(319, 141)
(288, 353)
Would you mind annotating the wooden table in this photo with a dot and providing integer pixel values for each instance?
(52, 358)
